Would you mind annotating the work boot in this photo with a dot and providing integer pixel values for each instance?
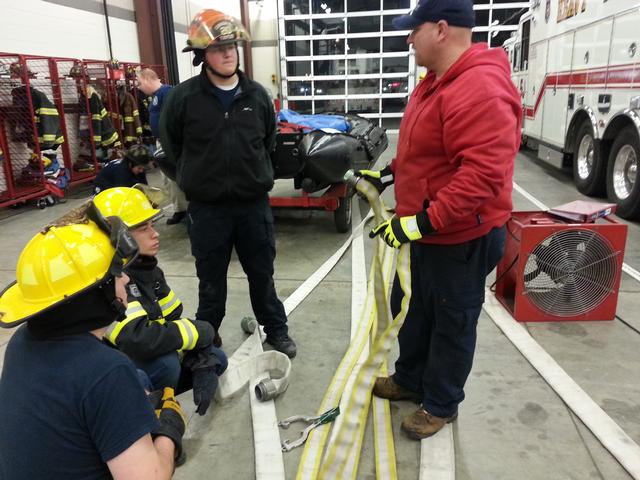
(217, 340)
(283, 343)
(176, 218)
(421, 424)
(386, 387)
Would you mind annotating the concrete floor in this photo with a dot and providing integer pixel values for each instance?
(511, 426)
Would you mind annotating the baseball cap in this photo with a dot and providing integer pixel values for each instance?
(458, 13)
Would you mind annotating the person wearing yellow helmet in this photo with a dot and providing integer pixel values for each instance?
(172, 350)
(72, 407)
(217, 131)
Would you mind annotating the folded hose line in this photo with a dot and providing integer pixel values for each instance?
(343, 452)
(269, 463)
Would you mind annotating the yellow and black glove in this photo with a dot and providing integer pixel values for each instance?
(380, 179)
(173, 422)
(399, 230)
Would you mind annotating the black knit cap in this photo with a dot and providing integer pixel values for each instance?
(458, 13)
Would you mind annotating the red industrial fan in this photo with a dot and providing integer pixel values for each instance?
(562, 265)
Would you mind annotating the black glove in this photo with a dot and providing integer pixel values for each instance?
(380, 179)
(205, 384)
(173, 422)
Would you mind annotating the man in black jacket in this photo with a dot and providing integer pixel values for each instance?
(217, 130)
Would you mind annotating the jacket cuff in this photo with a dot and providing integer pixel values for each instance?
(424, 223)
(387, 176)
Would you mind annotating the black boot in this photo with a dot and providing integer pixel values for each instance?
(176, 218)
(283, 343)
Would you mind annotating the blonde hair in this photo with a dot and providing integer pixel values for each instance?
(148, 74)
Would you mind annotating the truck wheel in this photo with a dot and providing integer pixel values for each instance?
(588, 168)
(623, 186)
(342, 216)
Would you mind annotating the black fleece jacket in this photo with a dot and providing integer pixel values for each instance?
(213, 154)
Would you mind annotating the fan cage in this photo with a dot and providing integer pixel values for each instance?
(571, 272)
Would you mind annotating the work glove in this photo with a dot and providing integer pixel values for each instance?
(206, 364)
(380, 179)
(399, 230)
(173, 422)
(205, 384)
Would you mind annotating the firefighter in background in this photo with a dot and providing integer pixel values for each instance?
(172, 350)
(125, 172)
(217, 130)
(150, 85)
(453, 173)
(73, 407)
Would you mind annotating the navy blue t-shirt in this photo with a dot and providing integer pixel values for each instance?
(225, 96)
(155, 107)
(67, 407)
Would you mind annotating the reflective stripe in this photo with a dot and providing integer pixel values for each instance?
(110, 140)
(49, 137)
(96, 138)
(188, 332)
(96, 117)
(128, 119)
(134, 310)
(129, 138)
(139, 130)
(46, 111)
(103, 113)
(169, 303)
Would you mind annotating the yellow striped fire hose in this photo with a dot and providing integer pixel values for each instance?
(351, 386)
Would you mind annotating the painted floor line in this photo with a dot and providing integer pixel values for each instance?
(629, 270)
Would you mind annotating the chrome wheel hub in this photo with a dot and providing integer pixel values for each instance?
(625, 170)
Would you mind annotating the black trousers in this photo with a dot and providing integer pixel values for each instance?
(214, 230)
(438, 338)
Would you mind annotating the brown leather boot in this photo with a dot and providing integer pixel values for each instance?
(421, 424)
(385, 387)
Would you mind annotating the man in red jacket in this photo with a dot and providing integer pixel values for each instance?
(453, 180)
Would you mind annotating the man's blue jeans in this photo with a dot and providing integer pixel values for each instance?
(438, 338)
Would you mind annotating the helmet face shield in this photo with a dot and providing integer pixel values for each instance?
(211, 28)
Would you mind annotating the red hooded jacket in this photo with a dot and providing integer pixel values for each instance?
(458, 140)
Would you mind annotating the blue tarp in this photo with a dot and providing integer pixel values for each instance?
(316, 122)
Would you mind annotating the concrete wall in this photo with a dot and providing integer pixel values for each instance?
(68, 28)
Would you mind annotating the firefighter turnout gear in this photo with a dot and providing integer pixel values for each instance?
(210, 28)
(154, 324)
(129, 117)
(130, 204)
(56, 264)
(46, 119)
(104, 134)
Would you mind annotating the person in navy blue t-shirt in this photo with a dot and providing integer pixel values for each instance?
(150, 84)
(72, 407)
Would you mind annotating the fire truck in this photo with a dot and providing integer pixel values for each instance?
(577, 66)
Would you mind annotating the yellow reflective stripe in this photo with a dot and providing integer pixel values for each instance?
(110, 140)
(49, 137)
(103, 113)
(128, 119)
(96, 116)
(97, 138)
(169, 303)
(139, 130)
(134, 310)
(188, 332)
(129, 138)
(46, 111)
